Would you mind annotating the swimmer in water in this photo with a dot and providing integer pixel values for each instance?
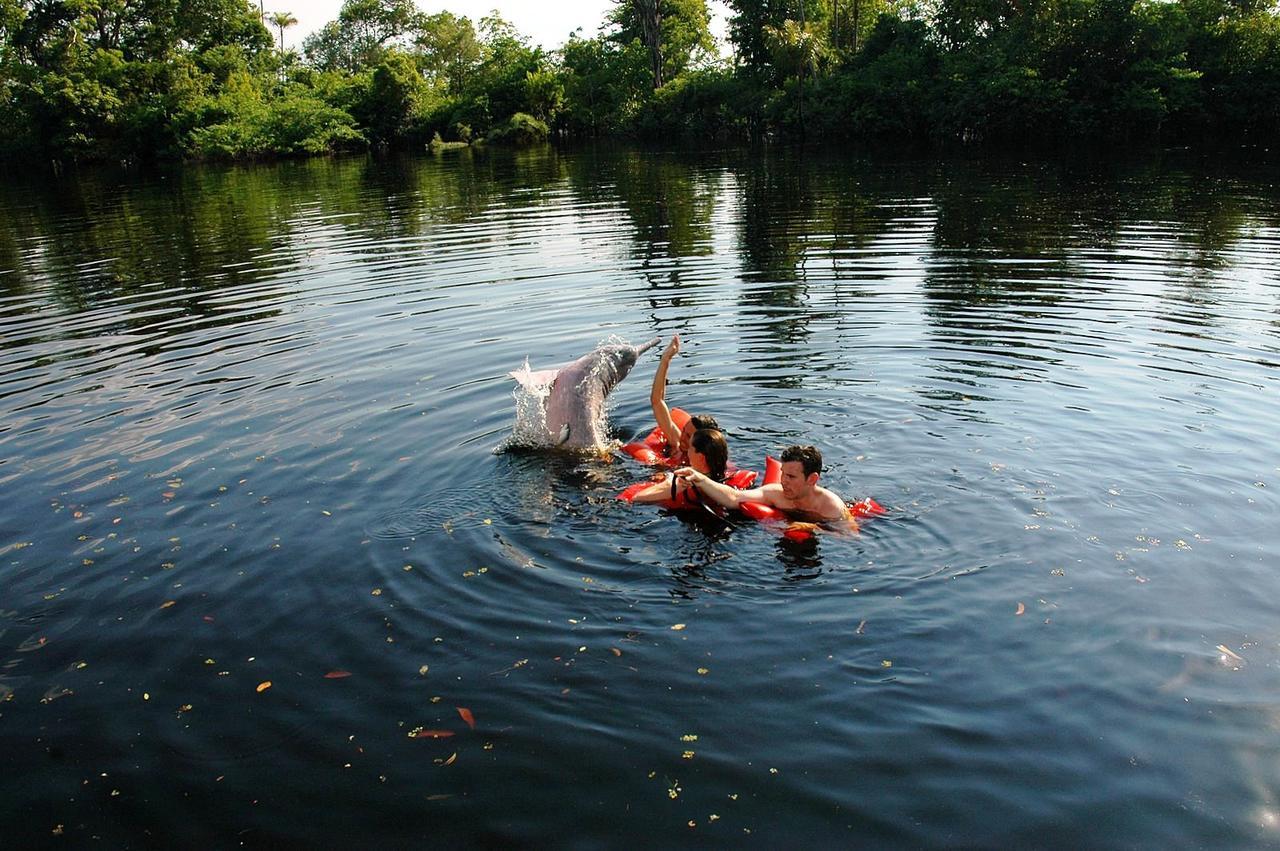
(678, 435)
(797, 492)
(708, 455)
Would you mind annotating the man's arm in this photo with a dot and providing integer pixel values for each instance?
(658, 394)
(724, 495)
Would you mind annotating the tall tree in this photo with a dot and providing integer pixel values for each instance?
(448, 50)
(282, 20)
(363, 33)
(675, 33)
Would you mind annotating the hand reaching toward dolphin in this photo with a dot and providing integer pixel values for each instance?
(673, 349)
(658, 394)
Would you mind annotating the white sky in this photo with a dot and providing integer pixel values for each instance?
(545, 23)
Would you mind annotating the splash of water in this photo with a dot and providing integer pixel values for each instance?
(530, 426)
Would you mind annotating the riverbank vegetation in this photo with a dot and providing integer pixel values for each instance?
(139, 79)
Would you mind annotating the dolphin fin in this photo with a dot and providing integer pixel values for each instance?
(532, 379)
(563, 436)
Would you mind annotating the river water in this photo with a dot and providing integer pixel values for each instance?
(271, 573)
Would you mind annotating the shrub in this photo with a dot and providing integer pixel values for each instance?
(520, 129)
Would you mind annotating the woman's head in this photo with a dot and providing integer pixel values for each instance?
(709, 452)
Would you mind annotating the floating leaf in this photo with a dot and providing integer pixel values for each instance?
(337, 675)
(615, 651)
(419, 733)
(167, 603)
(886, 663)
(689, 737)
(453, 757)
(862, 628)
(423, 670)
(1021, 609)
(264, 685)
(465, 714)
(704, 671)
(678, 627)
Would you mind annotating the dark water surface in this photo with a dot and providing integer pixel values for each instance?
(248, 421)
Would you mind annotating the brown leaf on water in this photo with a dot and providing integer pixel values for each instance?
(420, 733)
(263, 686)
(337, 675)
(167, 603)
(466, 715)
(615, 651)
(453, 757)
(678, 627)
(1021, 609)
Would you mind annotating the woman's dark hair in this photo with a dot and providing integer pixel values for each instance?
(704, 421)
(711, 444)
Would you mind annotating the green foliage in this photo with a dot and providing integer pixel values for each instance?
(698, 106)
(604, 83)
(681, 39)
(390, 100)
(363, 34)
(241, 122)
(519, 129)
(448, 51)
(83, 79)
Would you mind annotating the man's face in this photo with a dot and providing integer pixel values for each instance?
(686, 435)
(793, 480)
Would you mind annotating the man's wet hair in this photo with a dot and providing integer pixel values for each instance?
(711, 444)
(705, 421)
(808, 456)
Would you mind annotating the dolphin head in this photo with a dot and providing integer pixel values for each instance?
(615, 362)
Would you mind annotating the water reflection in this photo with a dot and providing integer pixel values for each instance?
(248, 415)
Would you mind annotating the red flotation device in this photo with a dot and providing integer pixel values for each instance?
(655, 450)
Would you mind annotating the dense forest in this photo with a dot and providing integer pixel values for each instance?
(141, 79)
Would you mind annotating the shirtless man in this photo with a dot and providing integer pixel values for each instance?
(797, 492)
(678, 436)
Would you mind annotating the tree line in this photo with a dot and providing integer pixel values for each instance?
(130, 79)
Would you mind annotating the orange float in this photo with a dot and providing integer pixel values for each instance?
(654, 449)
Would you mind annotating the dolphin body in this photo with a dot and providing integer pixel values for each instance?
(574, 405)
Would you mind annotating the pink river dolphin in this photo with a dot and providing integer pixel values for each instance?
(575, 402)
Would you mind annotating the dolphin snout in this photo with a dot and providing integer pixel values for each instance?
(644, 347)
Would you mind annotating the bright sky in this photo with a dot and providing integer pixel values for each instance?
(545, 23)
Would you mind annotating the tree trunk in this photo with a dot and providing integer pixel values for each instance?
(651, 24)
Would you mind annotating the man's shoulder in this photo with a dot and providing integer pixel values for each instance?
(834, 504)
